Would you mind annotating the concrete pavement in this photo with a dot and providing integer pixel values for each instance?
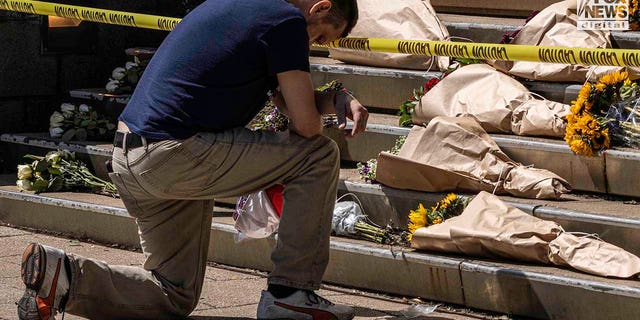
(228, 293)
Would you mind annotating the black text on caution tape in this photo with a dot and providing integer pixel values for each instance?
(557, 56)
(17, 6)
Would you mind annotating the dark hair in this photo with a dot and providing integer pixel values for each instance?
(341, 11)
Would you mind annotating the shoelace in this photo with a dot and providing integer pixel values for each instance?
(316, 299)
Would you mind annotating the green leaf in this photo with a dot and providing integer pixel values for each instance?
(68, 135)
(55, 184)
(81, 134)
(40, 165)
(85, 123)
(54, 171)
(40, 185)
(405, 120)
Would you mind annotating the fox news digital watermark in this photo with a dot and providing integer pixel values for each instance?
(605, 15)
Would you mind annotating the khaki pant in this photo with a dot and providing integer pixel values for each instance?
(169, 187)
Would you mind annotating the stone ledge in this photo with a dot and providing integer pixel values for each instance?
(479, 283)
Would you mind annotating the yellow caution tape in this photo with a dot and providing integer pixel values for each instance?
(91, 14)
(564, 55)
(510, 52)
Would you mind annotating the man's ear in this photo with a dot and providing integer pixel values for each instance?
(321, 7)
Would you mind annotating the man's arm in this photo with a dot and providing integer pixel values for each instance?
(299, 103)
(341, 103)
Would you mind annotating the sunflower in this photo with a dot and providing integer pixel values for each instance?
(612, 79)
(586, 135)
(582, 103)
(449, 206)
(417, 220)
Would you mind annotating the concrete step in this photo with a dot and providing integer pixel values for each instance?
(366, 83)
(490, 28)
(491, 7)
(615, 218)
(535, 291)
(613, 172)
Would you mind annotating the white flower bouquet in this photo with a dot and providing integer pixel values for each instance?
(79, 123)
(60, 171)
(124, 79)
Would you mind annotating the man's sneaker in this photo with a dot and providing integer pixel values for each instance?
(302, 304)
(44, 272)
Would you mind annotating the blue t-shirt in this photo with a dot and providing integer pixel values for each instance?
(213, 71)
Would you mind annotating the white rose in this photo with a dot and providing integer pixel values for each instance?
(56, 118)
(66, 107)
(53, 157)
(24, 171)
(56, 132)
(84, 108)
(130, 65)
(24, 185)
(118, 73)
(112, 85)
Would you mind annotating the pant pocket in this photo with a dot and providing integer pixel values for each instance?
(180, 174)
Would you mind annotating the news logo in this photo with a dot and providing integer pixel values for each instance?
(606, 15)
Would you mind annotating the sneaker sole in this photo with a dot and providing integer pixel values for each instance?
(32, 273)
(28, 306)
(33, 266)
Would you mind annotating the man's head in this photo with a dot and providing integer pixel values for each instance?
(328, 20)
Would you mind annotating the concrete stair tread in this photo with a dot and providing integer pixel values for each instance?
(398, 84)
(449, 18)
(489, 29)
(620, 207)
(615, 206)
(325, 64)
(389, 123)
(98, 94)
(537, 291)
(610, 172)
(222, 217)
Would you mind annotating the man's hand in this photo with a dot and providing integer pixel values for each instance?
(346, 106)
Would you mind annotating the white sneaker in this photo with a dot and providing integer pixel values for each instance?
(44, 273)
(303, 305)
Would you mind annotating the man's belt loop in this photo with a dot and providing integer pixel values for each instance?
(124, 142)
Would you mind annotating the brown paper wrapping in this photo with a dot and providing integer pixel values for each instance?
(498, 102)
(397, 19)
(593, 256)
(489, 227)
(457, 154)
(540, 118)
(557, 26)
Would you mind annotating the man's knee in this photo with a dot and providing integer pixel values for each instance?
(329, 148)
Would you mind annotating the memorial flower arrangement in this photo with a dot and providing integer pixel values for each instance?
(80, 122)
(407, 108)
(367, 170)
(452, 205)
(634, 14)
(60, 171)
(349, 220)
(271, 119)
(605, 114)
(124, 79)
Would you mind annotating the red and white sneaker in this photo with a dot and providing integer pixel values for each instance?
(44, 273)
(303, 305)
